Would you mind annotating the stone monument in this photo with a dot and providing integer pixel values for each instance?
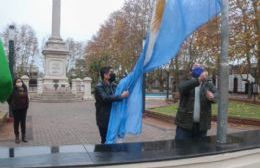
(54, 86)
(55, 53)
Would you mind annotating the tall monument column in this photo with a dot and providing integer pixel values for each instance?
(55, 53)
(56, 19)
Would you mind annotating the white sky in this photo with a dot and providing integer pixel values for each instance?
(80, 19)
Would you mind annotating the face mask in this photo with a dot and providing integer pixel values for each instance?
(196, 72)
(19, 84)
(112, 77)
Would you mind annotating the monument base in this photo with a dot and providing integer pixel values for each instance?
(56, 84)
(55, 53)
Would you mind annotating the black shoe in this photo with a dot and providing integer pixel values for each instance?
(17, 140)
(24, 139)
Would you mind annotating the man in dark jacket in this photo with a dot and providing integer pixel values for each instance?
(193, 118)
(105, 95)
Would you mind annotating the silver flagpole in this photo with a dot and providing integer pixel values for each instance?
(223, 85)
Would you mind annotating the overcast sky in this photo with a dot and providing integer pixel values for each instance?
(80, 19)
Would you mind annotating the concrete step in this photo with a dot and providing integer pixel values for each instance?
(56, 97)
(57, 93)
(56, 100)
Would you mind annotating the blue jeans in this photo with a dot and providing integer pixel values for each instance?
(182, 134)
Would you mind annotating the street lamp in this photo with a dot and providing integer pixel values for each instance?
(255, 85)
(11, 48)
(11, 36)
(167, 68)
(255, 90)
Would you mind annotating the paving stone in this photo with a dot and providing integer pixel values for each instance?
(55, 124)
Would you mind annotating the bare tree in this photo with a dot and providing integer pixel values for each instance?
(26, 47)
(76, 51)
(118, 42)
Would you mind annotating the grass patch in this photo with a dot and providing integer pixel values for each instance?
(167, 110)
(235, 109)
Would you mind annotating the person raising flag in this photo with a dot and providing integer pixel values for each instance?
(6, 84)
(173, 21)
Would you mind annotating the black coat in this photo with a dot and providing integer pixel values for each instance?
(184, 117)
(19, 99)
(104, 95)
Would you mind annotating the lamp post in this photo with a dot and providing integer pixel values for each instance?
(11, 58)
(255, 91)
(255, 85)
(11, 49)
(167, 68)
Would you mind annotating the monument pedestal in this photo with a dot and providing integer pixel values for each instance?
(55, 53)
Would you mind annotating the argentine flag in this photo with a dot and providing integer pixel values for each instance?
(172, 22)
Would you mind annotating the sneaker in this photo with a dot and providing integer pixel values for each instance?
(24, 139)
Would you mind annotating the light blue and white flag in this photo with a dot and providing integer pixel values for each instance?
(172, 22)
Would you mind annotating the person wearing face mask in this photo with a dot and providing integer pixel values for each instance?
(112, 80)
(105, 96)
(19, 103)
(193, 117)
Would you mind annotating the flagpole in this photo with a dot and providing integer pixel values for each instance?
(144, 84)
(223, 84)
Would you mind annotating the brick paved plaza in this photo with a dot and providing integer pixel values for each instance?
(51, 124)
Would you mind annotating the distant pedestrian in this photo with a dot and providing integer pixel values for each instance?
(193, 117)
(19, 103)
(105, 95)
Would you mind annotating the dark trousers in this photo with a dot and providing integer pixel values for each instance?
(182, 134)
(19, 120)
(103, 134)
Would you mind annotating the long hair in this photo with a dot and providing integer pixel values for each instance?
(104, 70)
(23, 86)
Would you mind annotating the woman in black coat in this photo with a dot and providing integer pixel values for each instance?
(19, 103)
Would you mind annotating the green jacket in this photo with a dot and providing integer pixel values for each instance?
(184, 117)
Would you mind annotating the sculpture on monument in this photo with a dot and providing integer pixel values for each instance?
(55, 53)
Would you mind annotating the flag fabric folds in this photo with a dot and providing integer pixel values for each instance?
(172, 22)
(6, 85)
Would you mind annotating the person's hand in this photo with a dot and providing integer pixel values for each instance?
(210, 95)
(125, 94)
(203, 76)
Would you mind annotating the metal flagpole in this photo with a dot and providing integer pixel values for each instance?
(144, 83)
(223, 76)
